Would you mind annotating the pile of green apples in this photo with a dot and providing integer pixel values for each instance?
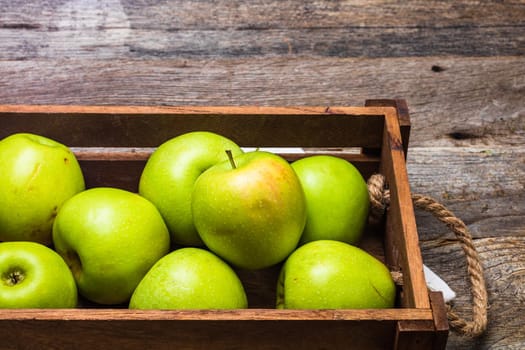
(204, 210)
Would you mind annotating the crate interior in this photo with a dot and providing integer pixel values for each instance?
(113, 148)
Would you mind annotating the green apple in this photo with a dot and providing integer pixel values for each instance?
(109, 238)
(170, 173)
(329, 274)
(190, 278)
(37, 175)
(336, 199)
(34, 276)
(250, 210)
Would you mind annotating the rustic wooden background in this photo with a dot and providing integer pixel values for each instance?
(459, 64)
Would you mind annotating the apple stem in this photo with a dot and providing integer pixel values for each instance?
(230, 157)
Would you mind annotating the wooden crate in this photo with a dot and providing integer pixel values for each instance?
(113, 144)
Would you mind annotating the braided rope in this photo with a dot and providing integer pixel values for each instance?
(379, 200)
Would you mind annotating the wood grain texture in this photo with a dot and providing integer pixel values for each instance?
(224, 14)
(400, 220)
(236, 29)
(473, 101)
(485, 187)
(101, 314)
(324, 42)
(249, 126)
(459, 64)
(86, 335)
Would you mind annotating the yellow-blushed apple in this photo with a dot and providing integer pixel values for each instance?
(250, 210)
(109, 238)
(37, 175)
(170, 173)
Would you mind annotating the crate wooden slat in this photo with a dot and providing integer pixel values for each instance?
(113, 144)
(150, 126)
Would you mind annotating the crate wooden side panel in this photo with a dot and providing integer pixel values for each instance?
(83, 126)
(401, 235)
(229, 329)
(151, 334)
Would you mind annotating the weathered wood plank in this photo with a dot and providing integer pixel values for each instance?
(400, 218)
(332, 42)
(260, 14)
(484, 187)
(267, 314)
(112, 29)
(250, 126)
(470, 101)
(87, 335)
(462, 174)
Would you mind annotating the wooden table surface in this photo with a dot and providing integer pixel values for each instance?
(460, 65)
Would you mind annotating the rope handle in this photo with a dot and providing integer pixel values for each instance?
(380, 199)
